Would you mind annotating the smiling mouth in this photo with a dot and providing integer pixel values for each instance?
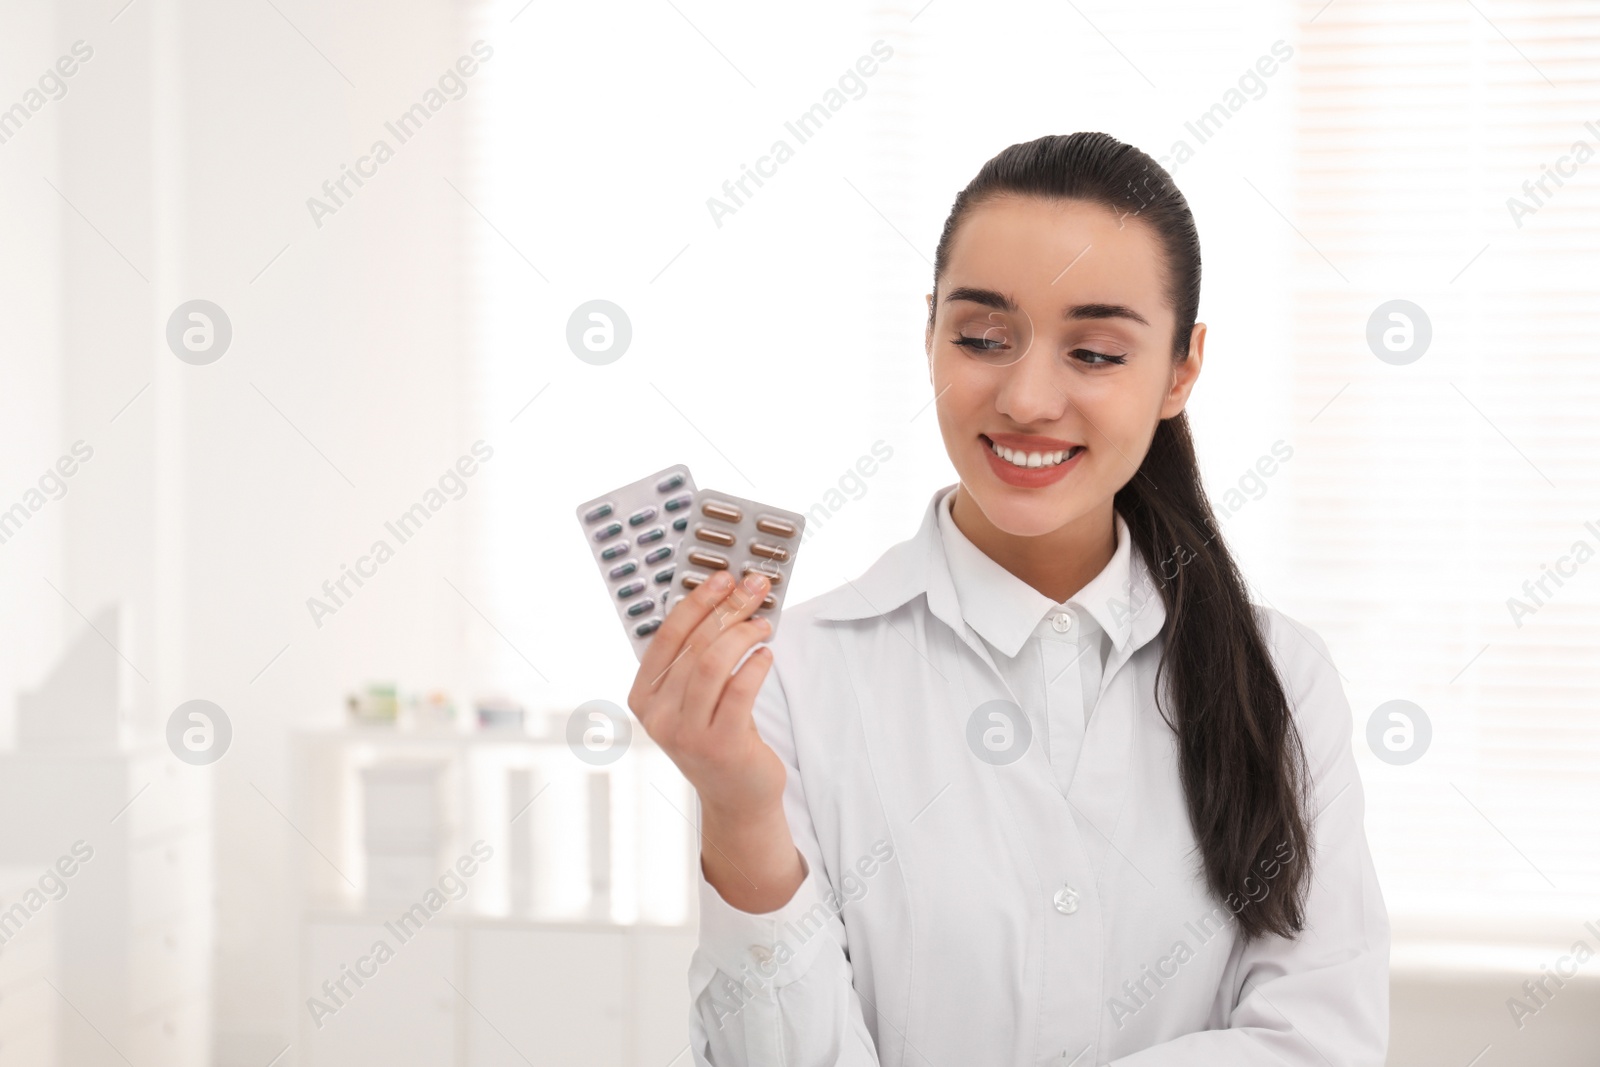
(1025, 459)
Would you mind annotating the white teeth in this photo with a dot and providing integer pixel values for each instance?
(1030, 459)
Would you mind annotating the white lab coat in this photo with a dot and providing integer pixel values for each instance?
(959, 912)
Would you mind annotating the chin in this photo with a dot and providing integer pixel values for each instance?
(1025, 512)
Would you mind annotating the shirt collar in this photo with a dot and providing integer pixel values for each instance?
(1005, 610)
(1131, 613)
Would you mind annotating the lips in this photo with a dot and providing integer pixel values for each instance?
(1030, 461)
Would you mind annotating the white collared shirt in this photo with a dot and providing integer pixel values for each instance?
(1051, 656)
(965, 903)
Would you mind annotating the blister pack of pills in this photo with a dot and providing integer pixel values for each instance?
(659, 537)
(730, 533)
(634, 533)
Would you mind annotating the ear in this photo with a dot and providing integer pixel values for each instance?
(1185, 374)
(927, 338)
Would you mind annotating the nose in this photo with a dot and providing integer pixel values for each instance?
(1032, 392)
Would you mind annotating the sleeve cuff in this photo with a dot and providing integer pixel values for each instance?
(775, 947)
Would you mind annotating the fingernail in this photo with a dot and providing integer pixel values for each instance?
(721, 581)
(754, 583)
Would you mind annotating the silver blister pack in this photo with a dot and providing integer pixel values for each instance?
(659, 537)
(634, 534)
(731, 533)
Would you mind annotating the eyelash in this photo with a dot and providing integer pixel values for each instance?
(976, 344)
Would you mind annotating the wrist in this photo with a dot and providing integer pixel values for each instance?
(751, 859)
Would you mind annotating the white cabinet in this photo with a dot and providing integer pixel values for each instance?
(546, 997)
(474, 992)
(133, 927)
(29, 1009)
(403, 1015)
(568, 944)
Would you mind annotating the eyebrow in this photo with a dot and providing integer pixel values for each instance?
(1001, 302)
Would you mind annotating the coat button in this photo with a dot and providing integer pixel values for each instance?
(1066, 900)
(1061, 623)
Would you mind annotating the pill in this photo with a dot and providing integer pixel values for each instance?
(631, 589)
(714, 535)
(780, 527)
(608, 531)
(772, 577)
(611, 552)
(680, 524)
(692, 580)
(597, 514)
(767, 601)
(622, 570)
(652, 535)
(772, 552)
(656, 555)
(713, 509)
(678, 503)
(669, 484)
(664, 576)
(642, 516)
(641, 607)
(708, 559)
(648, 627)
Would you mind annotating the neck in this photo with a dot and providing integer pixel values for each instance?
(1057, 564)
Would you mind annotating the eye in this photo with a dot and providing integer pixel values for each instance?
(1097, 359)
(979, 344)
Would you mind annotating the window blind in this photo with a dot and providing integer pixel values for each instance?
(1429, 492)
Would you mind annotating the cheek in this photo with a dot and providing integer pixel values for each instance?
(965, 392)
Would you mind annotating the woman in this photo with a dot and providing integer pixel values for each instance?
(1042, 785)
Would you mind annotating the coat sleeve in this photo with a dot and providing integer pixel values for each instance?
(1322, 998)
(776, 988)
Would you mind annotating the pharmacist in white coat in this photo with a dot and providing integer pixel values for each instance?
(946, 820)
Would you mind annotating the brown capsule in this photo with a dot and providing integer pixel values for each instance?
(692, 580)
(772, 552)
(714, 535)
(773, 578)
(768, 601)
(713, 509)
(772, 525)
(708, 559)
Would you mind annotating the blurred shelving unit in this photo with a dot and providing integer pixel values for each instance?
(129, 958)
(562, 917)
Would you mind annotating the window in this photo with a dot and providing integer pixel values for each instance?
(1336, 156)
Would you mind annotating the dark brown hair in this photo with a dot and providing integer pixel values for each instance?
(1239, 755)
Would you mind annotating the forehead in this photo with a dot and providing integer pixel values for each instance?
(1046, 253)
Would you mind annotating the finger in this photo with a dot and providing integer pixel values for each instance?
(704, 683)
(733, 711)
(725, 614)
(667, 646)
